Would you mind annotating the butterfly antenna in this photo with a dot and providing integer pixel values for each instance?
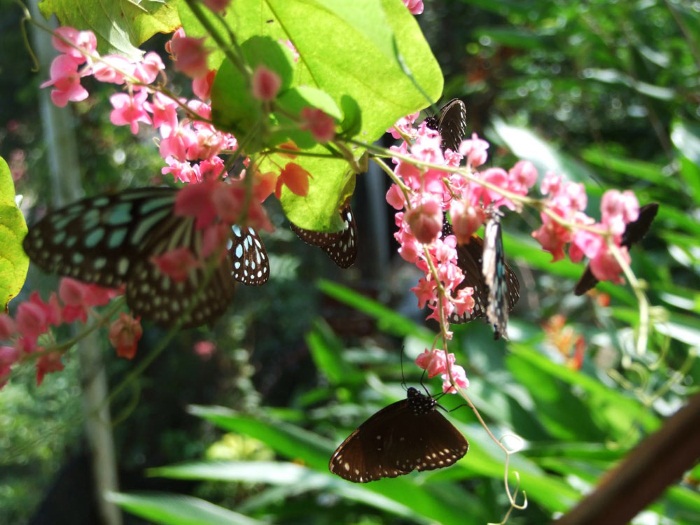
(403, 377)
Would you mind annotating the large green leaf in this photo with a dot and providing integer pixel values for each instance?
(13, 261)
(119, 26)
(358, 53)
(175, 509)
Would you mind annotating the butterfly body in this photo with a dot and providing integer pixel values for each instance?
(110, 240)
(404, 436)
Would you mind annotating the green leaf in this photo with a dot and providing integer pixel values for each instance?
(387, 320)
(175, 509)
(559, 409)
(327, 352)
(120, 27)
(234, 108)
(364, 54)
(404, 495)
(13, 261)
(686, 137)
(527, 146)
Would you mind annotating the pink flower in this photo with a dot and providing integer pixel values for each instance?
(35, 316)
(177, 143)
(147, 70)
(266, 84)
(425, 220)
(190, 56)
(113, 69)
(414, 6)
(522, 177)
(204, 349)
(466, 220)
(164, 111)
(196, 200)
(404, 126)
(201, 86)
(395, 197)
(8, 327)
(606, 268)
(176, 263)
(434, 361)
(474, 150)
(65, 80)
(73, 293)
(425, 291)
(218, 6)
(124, 335)
(459, 376)
(9, 355)
(320, 124)
(129, 110)
(48, 363)
(585, 243)
(552, 236)
(74, 43)
(618, 209)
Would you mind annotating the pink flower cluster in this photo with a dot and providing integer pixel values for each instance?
(426, 194)
(34, 319)
(439, 362)
(567, 201)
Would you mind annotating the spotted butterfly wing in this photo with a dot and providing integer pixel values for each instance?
(503, 286)
(404, 436)
(451, 122)
(634, 232)
(109, 240)
(340, 246)
(470, 259)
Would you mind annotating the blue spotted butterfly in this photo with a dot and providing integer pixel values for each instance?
(109, 240)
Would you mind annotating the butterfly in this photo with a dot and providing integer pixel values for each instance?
(451, 122)
(109, 240)
(404, 436)
(485, 270)
(634, 232)
(340, 246)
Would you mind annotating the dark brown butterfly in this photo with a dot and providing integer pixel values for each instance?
(340, 246)
(451, 122)
(505, 284)
(634, 232)
(109, 240)
(405, 436)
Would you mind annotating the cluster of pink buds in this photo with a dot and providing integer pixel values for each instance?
(27, 336)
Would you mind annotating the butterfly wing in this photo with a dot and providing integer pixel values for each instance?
(110, 240)
(634, 232)
(503, 285)
(470, 259)
(340, 246)
(397, 440)
(97, 239)
(361, 457)
(251, 265)
(451, 122)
